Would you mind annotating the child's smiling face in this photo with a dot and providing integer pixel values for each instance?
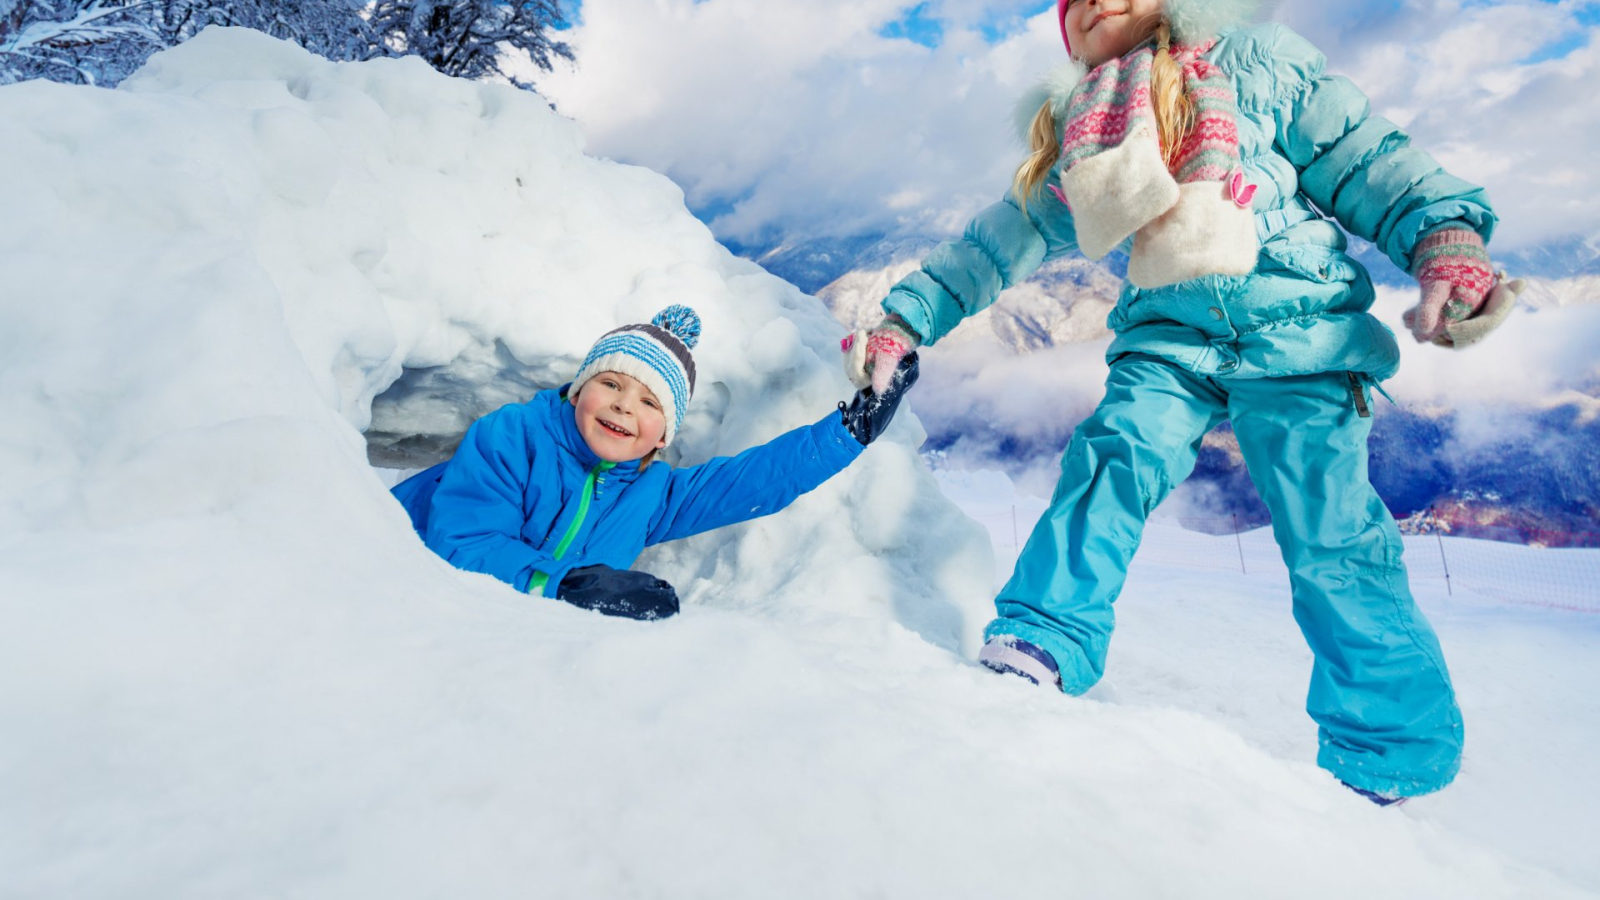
(619, 418)
(1101, 30)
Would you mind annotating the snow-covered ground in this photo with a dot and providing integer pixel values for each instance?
(1204, 626)
(229, 669)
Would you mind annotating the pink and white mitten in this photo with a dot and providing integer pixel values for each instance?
(871, 357)
(1452, 266)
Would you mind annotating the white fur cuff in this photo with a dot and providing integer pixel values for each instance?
(1206, 233)
(1115, 193)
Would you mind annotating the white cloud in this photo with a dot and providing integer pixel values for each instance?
(993, 409)
(798, 119)
(799, 112)
(1453, 74)
(1533, 362)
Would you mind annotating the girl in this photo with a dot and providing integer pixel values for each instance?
(557, 496)
(1212, 150)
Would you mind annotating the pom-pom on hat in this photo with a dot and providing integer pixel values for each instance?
(656, 354)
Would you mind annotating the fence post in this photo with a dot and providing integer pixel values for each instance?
(1448, 591)
(1016, 543)
(1442, 559)
(1240, 542)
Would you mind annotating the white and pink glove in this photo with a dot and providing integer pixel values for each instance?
(871, 357)
(1463, 299)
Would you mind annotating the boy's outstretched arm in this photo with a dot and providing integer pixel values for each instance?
(477, 514)
(765, 479)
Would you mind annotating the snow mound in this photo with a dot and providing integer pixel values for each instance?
(230, 669)
(248, 244)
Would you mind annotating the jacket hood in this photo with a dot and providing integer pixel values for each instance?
(1192, 21)
(1198, 20)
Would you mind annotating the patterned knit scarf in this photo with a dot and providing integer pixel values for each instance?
(1187, 219)
(1113, 100)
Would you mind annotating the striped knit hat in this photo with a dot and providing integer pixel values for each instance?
(657, 355)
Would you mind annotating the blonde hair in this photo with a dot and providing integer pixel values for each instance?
(1174, 112)
(1045, 145)
(1173, 106)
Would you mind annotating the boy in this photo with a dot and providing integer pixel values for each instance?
(558, 496)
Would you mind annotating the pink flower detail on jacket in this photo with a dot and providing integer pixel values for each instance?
(848, 342)
(1241, 192)
(1059, 195)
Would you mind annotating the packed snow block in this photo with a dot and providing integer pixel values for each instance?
(289, 251)
(299, 160)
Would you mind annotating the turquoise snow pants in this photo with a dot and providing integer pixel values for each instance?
(1380, 693)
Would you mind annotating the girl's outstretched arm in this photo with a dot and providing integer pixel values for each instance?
(1360, 168)
(1000, 247)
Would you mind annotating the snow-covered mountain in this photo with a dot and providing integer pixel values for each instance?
(1430, 463)
(812, 264)
(1065, 303)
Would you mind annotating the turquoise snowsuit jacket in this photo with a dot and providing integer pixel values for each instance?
(523, 479)
(1308, 140)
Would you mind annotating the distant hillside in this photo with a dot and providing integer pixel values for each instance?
(1540, 483)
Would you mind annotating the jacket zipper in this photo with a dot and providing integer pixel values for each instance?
(591, 487)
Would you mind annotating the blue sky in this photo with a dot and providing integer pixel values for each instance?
(918, 25)
(918, 22)
(785, 121)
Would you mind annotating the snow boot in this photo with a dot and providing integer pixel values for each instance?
(1014, 656)
(1379, 799)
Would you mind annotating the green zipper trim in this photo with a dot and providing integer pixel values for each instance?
(537, 583)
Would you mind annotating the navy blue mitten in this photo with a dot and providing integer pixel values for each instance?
(867, 415)
(619, 592)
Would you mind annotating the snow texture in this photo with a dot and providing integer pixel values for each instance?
(228, 667)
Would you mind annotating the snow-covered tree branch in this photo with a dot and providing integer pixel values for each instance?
(470, 38)
(86, 41)
(104, 41)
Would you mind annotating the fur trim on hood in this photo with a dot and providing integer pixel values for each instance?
(1198, 20)
(1192, 21)
(1056, 88)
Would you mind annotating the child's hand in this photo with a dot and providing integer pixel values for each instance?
(872, 358)
(1502, 298)
(619, 592)
(868, 415)
(1452, 266)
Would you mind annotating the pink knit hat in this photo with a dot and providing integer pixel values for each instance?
(1061, 13)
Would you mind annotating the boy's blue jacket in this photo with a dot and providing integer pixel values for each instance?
(504, 504)
(1308, 140)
